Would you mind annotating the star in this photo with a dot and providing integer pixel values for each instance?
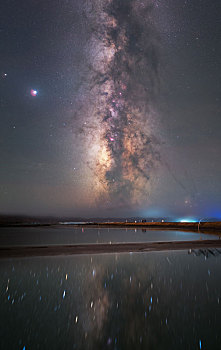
(33, 92)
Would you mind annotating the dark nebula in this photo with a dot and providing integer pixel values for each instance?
(123, 80)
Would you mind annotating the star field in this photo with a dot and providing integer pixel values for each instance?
(110, 109)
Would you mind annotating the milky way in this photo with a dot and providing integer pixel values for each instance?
(118, 115)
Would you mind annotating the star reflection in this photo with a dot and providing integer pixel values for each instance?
(137, 301)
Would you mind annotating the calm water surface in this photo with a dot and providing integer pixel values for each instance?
(71, 235)
(161, 300)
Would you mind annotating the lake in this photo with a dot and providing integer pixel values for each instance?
(156, 300)
(54, 235)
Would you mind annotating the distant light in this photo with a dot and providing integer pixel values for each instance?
(187, 220)
(34, 92)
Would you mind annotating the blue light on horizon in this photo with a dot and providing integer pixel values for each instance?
(188, 219)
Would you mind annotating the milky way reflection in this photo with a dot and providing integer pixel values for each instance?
(151, 300)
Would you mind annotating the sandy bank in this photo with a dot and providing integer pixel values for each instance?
(18, 252)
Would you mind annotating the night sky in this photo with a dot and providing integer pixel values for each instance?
(110, 107)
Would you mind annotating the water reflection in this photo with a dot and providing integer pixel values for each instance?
(75, 235)
(128, 301)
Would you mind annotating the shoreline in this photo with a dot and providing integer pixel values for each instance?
(184, 226)
(104, 248)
